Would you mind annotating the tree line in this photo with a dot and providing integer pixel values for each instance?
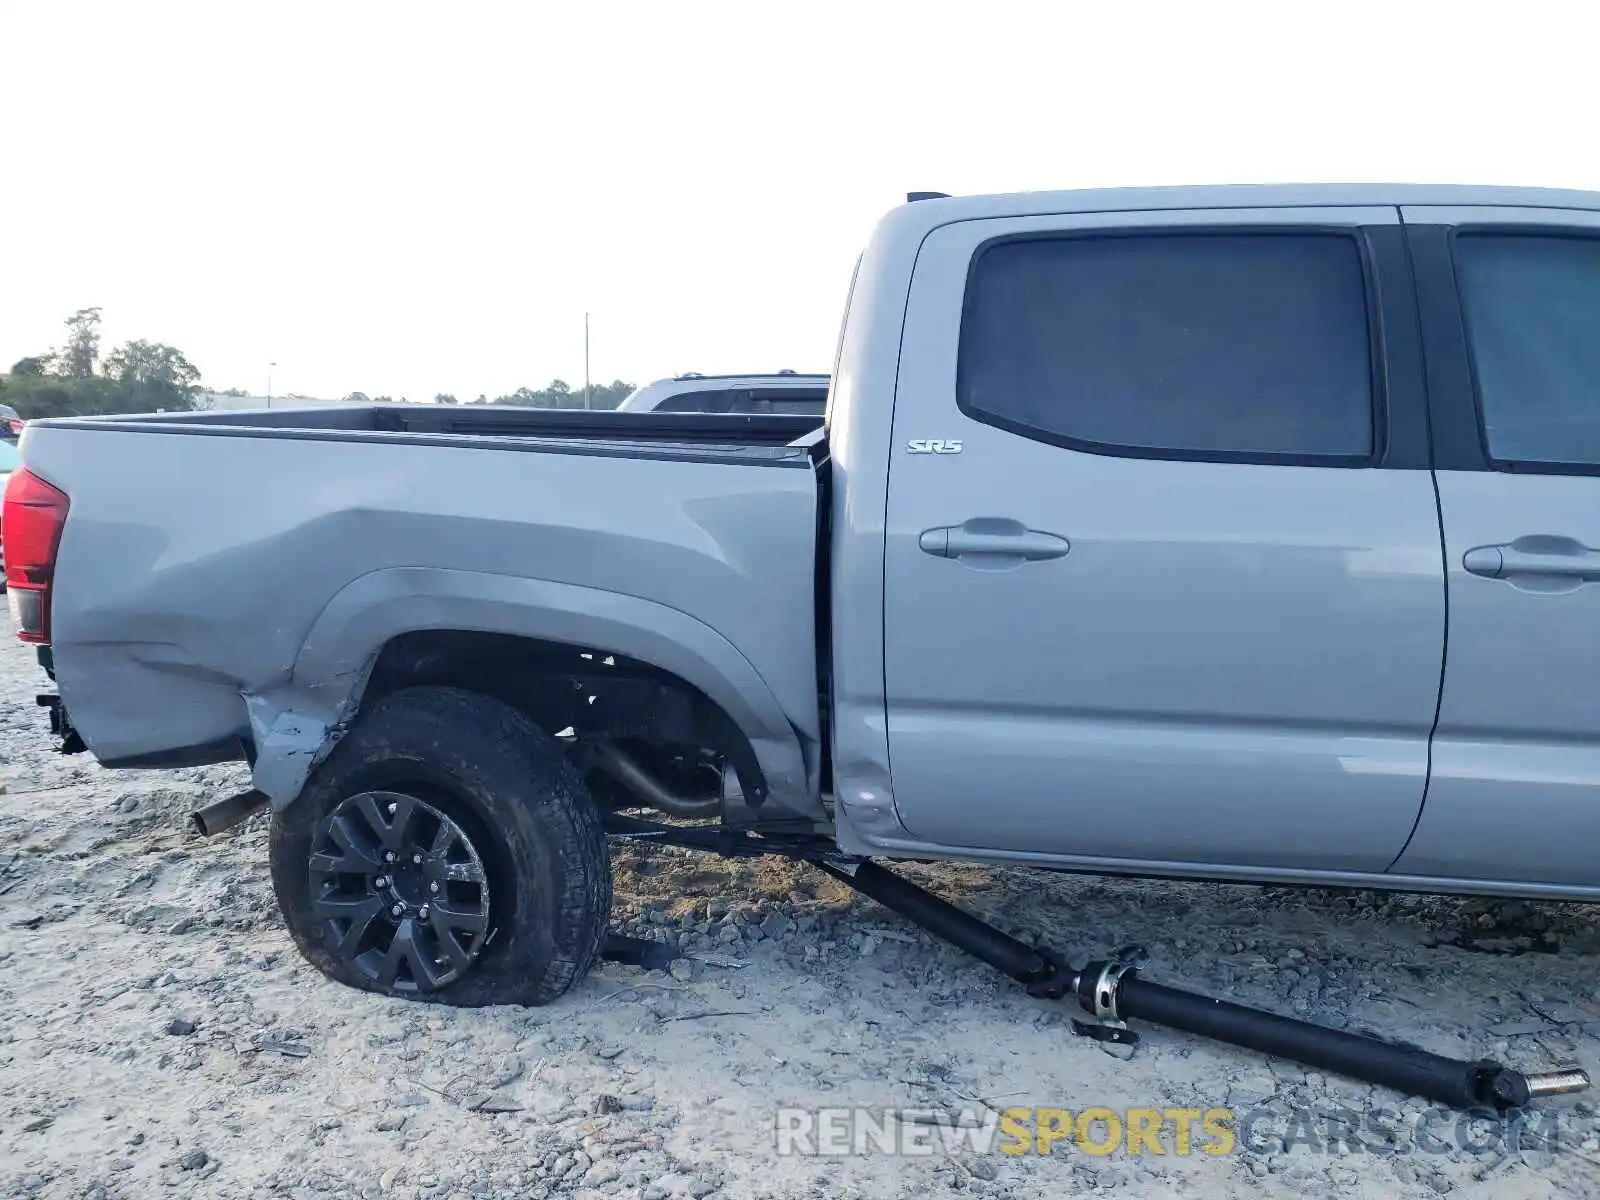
(558, 394)
(144, 376)
(74, 380)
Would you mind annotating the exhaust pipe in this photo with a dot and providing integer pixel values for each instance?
(627, 771)
(226, 813)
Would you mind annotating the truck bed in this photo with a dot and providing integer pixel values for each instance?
(224, 580)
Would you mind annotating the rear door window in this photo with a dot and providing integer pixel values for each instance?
(1531, 303)
(1220, 346)
(802, 401)
(698, 402)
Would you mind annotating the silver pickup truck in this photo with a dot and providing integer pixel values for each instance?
(1242, 533)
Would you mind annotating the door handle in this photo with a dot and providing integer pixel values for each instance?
(1539, 554)
(993, 539)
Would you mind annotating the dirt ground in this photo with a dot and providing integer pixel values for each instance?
(159, 1035)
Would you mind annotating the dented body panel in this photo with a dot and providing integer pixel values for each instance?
(216, 591)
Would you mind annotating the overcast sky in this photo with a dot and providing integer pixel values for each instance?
(408, 199)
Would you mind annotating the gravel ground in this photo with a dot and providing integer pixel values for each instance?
(159, 1035)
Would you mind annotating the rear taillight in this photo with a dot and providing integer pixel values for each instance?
(31, 523)
(15, 424)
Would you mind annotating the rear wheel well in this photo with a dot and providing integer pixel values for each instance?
(587, 696)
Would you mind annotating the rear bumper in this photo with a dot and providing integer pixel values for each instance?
(202, 754)
(221, 750)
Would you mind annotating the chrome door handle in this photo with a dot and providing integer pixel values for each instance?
(1539, 554)
(993, 539)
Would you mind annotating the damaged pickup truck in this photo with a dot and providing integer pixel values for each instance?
(1127, 545)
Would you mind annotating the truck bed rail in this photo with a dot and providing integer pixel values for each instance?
(487, 420)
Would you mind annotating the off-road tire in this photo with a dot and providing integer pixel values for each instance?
(505, 782)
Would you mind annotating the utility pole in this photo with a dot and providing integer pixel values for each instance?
(270, 365)
(588, 392)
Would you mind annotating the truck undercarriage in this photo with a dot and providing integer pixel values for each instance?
(1110, 991)
(659, 774)
(646, 743)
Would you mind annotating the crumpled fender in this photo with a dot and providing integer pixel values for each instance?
(297, 724)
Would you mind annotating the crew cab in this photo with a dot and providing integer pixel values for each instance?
(1241, 533)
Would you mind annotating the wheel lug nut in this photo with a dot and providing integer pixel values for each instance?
(423, 912)
(393, 807)
(433, 887)
(416, 860)
(398, 909)
(388, 856)
(382, 881)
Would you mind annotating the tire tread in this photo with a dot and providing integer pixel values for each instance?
(501, 753)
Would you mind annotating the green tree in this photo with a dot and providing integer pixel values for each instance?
(561, 395)
(358, 398)
(609, 395)
(82, 352)
(152, 375)
(444, 398)
(47, 398)
(137, 377)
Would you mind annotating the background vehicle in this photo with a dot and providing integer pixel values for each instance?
(11, 423)
(1127, 548)
(783, 392)
(10, 460)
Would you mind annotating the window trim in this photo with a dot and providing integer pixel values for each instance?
(1509, 466)
(1378, 455)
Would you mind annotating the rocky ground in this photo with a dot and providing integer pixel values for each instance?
(159, 1035)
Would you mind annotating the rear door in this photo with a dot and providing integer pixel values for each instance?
(1511, 310)
(1163, 576)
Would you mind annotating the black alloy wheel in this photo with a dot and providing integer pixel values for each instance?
(402, 890)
